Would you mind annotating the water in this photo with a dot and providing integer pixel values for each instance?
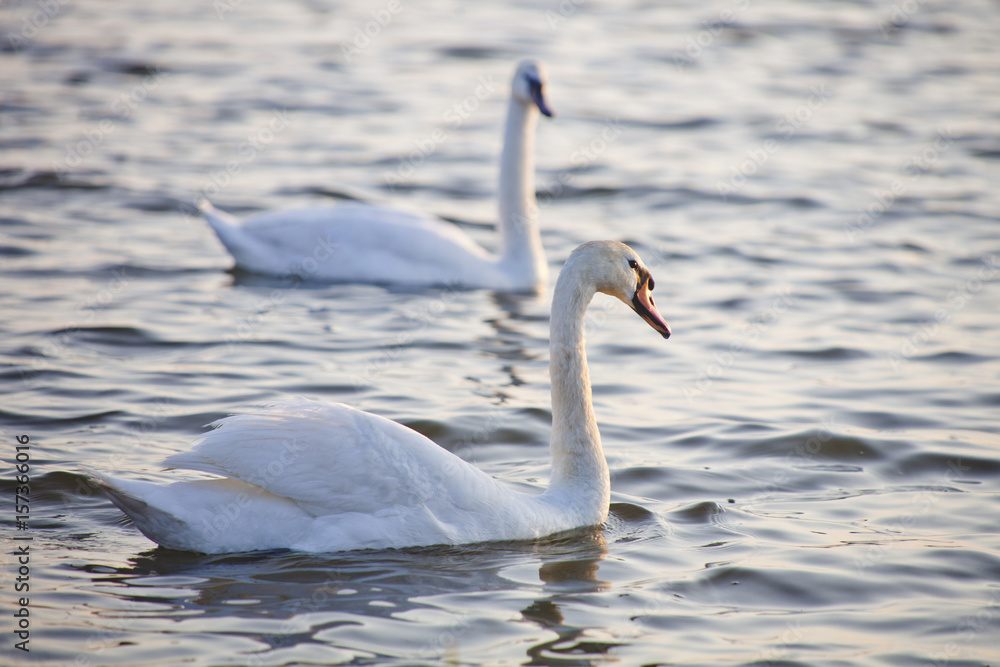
(805, 473)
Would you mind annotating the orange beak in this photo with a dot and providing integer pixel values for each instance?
(643, 305)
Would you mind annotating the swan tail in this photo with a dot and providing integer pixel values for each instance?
(250, 253)
(154, 522)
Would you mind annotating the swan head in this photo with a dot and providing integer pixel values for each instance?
(617, 270)
(530, 86)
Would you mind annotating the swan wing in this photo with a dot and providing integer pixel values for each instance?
(359, 242)
(332, 459)
(364, 224)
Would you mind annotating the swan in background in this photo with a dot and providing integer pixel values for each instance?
(377, 244)
(316, 476)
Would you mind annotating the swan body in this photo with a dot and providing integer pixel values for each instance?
(316, 476)
(379, 244)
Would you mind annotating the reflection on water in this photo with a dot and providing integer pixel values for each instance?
(284, 599)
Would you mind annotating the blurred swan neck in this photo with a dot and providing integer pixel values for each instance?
(578, 463)
(520, 243)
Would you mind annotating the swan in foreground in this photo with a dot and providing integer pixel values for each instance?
(316, 476)
(377, 244)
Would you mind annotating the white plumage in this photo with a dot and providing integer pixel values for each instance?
(378, 244)
(316, 476)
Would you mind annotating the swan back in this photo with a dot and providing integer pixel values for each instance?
(326, 477)
(332, 459)
(376, 244)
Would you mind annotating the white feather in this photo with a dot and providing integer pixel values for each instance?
(316, 476)
(377, 244)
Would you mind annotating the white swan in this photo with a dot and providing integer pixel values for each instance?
(316, 476)
(376, 244)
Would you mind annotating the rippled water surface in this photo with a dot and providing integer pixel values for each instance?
(805, 473)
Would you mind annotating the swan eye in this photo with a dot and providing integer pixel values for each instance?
(633, 263)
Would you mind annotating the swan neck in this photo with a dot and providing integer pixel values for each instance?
(578, 463)
(520, 244)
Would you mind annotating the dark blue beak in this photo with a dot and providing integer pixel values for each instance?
(538, 97)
